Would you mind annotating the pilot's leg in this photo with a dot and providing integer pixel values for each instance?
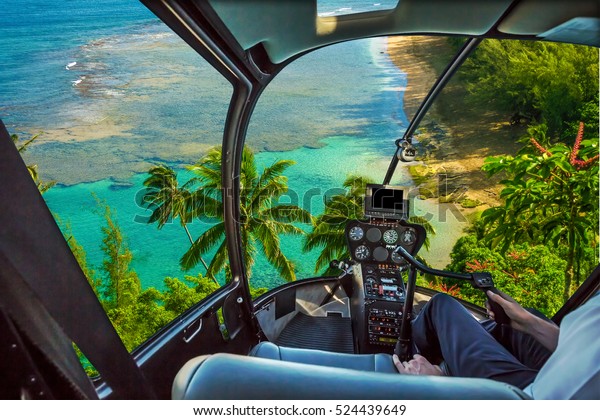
(445, 330)
(523, 346)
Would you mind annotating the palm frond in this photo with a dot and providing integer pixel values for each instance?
(248, 171)
(287, 213)
(420, 220)
(357, 185)
(249, 251)
(322, 238)
(274, 171)
(287, 229)
(23, 146)
(201, 245)
(267, 193)
(285, 267)
(270, 244)
(208, 169)
(203, 204)
(219, 261)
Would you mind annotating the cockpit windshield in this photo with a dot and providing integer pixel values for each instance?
(126, 131)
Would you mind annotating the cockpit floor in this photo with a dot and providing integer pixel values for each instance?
(330, 333)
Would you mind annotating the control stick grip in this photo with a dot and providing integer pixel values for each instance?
(484, 282)
(499, 314)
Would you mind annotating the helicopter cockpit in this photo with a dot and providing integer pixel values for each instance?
(379, 290)
(340, 324)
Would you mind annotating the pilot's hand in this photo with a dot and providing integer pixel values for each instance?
(418, 365)
(519, 317)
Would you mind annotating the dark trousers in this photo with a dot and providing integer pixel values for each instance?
(445, 331)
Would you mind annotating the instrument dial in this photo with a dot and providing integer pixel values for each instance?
(408, 237)
(374, 234)
(356, 233)
(362, 253)
(390, 236)
(380, 254)
(397, 258)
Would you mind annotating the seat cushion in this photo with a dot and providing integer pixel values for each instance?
(233, 377)
(365, 362)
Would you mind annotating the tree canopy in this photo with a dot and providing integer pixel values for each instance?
(537, 82)
(550, 197)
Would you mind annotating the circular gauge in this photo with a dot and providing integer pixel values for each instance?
(390, 236)
(362, 253)
(356, 233)
(374, 235)
(380, 254)
(408, 237)
(397, 258)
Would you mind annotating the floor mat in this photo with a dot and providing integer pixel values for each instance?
(329, 333)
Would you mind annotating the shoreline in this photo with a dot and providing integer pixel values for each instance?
(453, 138)
(452, 141)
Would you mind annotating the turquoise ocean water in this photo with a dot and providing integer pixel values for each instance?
(112, 91)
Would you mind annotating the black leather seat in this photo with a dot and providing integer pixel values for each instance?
(365, 362)
(233, 377)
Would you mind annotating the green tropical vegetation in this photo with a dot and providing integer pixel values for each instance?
(532, 274)
(32, 168)
(539, 244)
(547, 225)
(536, 83)
(328, 233)
(136, 313)
(169, 200)
(550, 197)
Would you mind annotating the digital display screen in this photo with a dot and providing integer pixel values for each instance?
(387, 199)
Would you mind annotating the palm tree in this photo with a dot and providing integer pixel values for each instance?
(169, 200)
(329, 228)
(262, 219)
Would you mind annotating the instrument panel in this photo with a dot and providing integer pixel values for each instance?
(376, 242)
(379, 275)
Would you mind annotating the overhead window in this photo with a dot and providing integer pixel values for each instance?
(337, 8)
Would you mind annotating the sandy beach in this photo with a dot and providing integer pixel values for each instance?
(453, 140)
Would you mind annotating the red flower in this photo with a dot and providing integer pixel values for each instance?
(478, 266)
(577, 163)
(516, 255)
(539, 147)
(574, 161)
(453, 290)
